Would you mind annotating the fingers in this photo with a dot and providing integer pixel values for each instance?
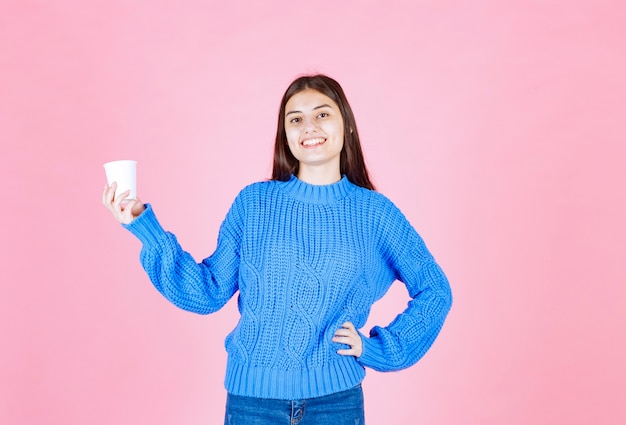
(347, 329)
(108, 193)
(110, 200)
(120, 201)
(124, 207)
(348, 335)
(131, 209)
(117, 205)
(136, 207)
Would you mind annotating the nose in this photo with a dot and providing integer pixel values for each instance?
(309, 126)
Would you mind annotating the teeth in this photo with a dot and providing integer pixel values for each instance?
(311, 142)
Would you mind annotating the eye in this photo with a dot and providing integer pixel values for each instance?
(295, 120)
(323, 115)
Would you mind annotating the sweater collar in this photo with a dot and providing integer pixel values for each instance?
(318, 194)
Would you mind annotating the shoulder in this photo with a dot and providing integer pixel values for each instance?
(256, 194)
(247, 201)
(377, 203)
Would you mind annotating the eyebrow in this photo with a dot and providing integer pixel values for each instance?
(325, 105)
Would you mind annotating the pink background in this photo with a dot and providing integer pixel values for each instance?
(498, 127)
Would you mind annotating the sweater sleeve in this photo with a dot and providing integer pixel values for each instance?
(201, 288)
(409, 336)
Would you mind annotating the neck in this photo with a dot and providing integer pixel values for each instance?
(319, 175)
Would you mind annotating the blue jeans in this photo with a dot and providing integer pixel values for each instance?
(343, 408)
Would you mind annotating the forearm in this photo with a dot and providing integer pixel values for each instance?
(197, 287)
(405, 340)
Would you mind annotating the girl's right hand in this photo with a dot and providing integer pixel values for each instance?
(124, 211)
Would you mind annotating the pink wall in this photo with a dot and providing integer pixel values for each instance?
(498, 128)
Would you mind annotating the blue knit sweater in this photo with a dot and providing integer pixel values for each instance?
(305, 259)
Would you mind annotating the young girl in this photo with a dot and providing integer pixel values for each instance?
(309, 251)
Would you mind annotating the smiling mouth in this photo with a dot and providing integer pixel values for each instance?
(313, 142)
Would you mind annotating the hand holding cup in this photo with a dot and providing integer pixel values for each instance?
(123, 209)
(120, 194)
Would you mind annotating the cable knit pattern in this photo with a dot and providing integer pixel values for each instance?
(305, 259)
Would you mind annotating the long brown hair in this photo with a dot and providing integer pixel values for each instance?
(352, 164)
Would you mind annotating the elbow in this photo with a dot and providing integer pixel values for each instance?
(197, 306)
(444, 293)
(447, 297)
(202, 309)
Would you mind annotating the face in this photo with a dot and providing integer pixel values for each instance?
(314, 129)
